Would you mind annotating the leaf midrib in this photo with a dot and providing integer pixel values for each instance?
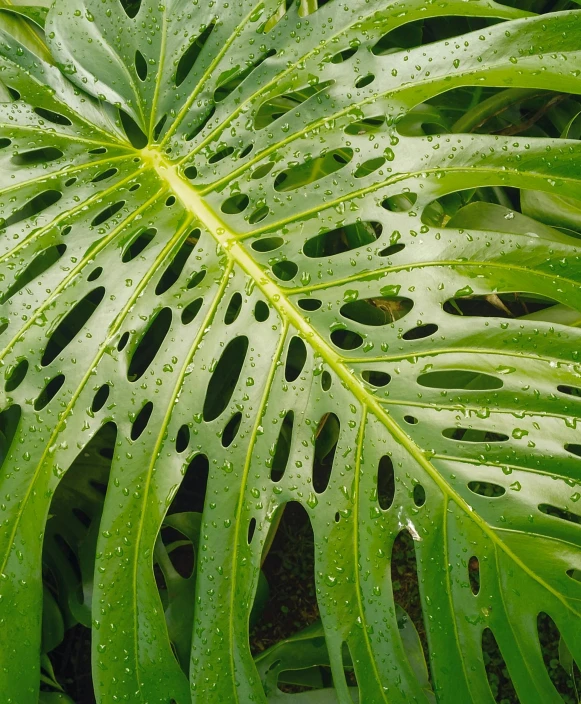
(227, 239)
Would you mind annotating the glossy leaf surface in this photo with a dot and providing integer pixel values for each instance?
(223, 214)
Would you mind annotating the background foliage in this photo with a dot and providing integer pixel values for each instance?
(290, 348)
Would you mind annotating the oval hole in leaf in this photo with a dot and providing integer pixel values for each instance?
(140, 65)
(234, 308)
(326, 439)
(251, 529)
(364, 81)
(346, 339)
(474, 574)
(459, 379)
(326, 381)
(196, 278)
(569, 390)
(561, 513)
(138, 244)
(235, 204)
(104, 175)
(141, 421)
(312, 170)
(191, 311)
(40, 263)
(221, 154)
(512, 304)
(191, 494)
(71, 325)
(33, 207)
(285, 270)
(231, 429)
(342, 239)
(391, 250)
(573, 448)
(107, 214)
(267, 244)
(133, 131)
(200, 126)
(44, 155)
(190, 55)
(375, 378)
(173, 271)
(149, 345)
(295, 359)
(419, 495)
(191, 172)
(385, 482)
(49, 392)
(377, 311)
(369, 166)
(344, 55)
(259, 214)
(15, 375)
(131, 7)
(411, 420)
(100, 398)
(183, 438)
(51, 116)
(474, 435)
(224, 378)
(488, 489)
(261, 312)
(366, 125)
(421, 331)
(282, 448)
(400, 203)
(310, 304)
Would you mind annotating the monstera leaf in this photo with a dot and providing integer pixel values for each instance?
(219, 236)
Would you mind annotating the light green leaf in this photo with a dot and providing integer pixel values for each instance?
(179, 257)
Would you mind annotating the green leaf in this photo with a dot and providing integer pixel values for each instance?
(192, 199)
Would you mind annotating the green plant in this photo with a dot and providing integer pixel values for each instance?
(270, 244)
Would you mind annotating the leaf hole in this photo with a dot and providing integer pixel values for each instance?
(375, 378)
(49, 392)
(100, 398)
(312, 170)
(200, 126)
(107, 214)
(278, 106)
(326, 440)
(104, 175)
(382, 310)
(419, 495)
(573, 448)
(183, 438)
(235, 204)
(285, 270)
(174, 270)
(225, 378)
(326, 380)
(282, 448)
(94, 275)
(140, 65)
(369, 167)
(411, 420)
(71, 325)
(191, 311)
(459, 379)
(344, 55)
(342, 239)
(170, 201)
(138, 244)
(33, 207)
(246, 151)
(267, 244)
(400, 203)
(231, 430)
(474, 574)
(141, 421)
(41, 263)
(259, 214)
(123, 340)
(261, 312)
(364, 80)
(15, 375)
(295, 359)
(251, 529)
(149, 345)
(131, 7)
(221, 154)
(367, 125)
(391, 250)
(513, 304)
(51, 116)
(385, 482)
(346, 339)
(310, 304)
(33, 157)
(474, 435)
(420, 332)
(262, 170)
(133, 131)
(487, 489)
(157, 130)
(190, 55)
(569, 390)
(191, 172)
(233, 310)
(560, 513)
